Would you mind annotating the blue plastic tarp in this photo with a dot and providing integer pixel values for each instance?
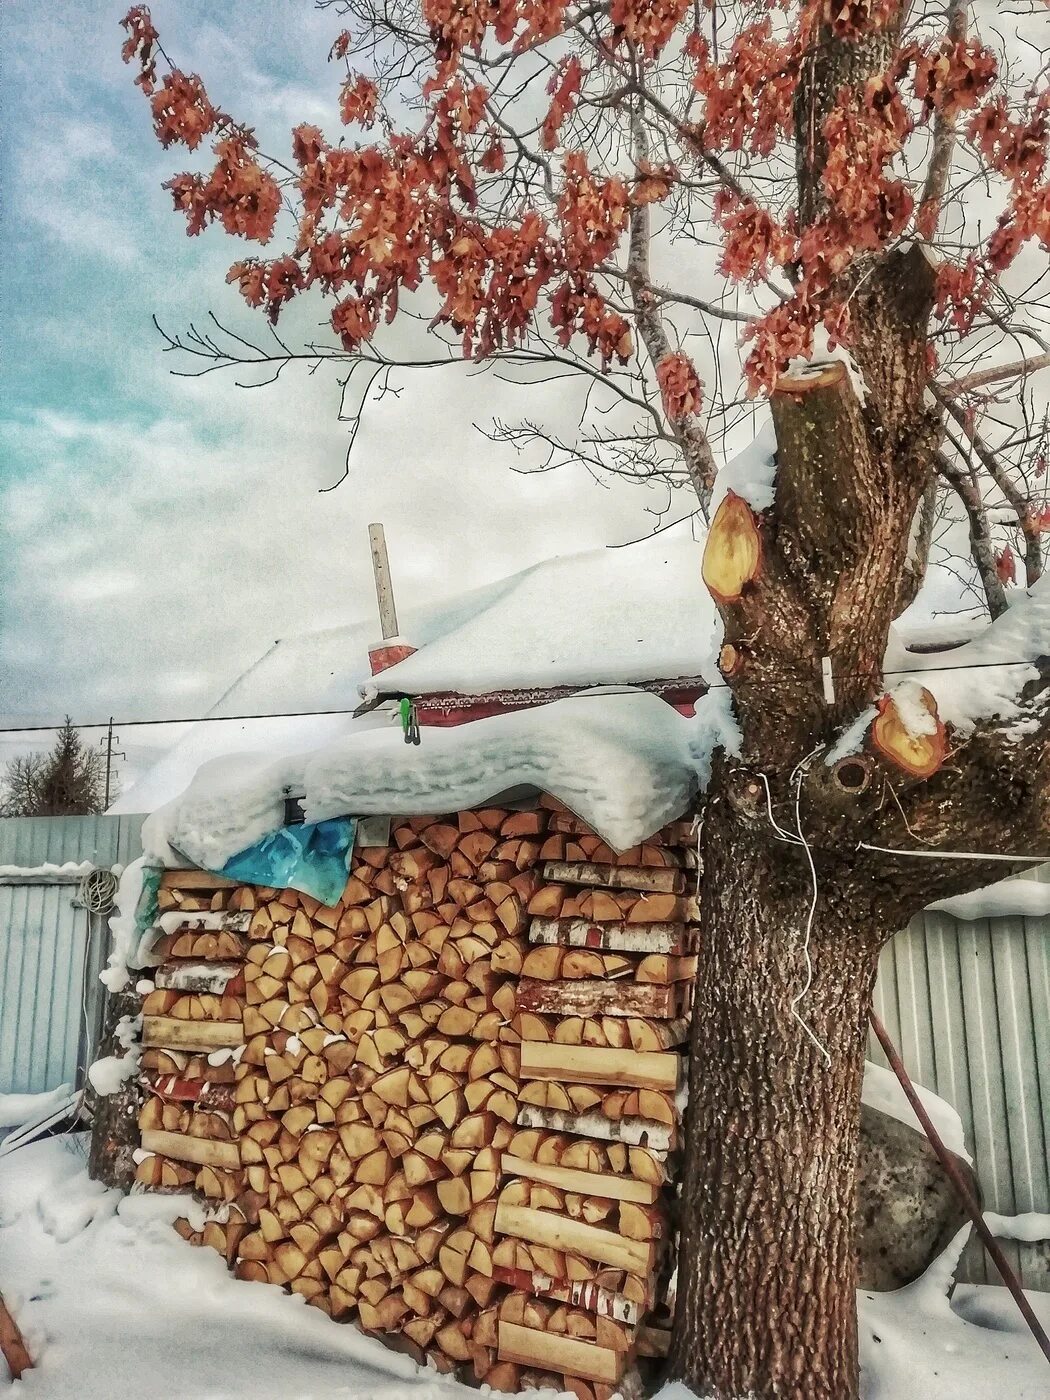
(313, 857)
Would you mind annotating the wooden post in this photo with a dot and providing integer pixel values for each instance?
(390, 653)
(12, 1345)
(384, 589)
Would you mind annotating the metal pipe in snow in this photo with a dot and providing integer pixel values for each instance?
(962, 1189)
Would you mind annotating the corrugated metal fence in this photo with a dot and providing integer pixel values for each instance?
(51, 950)
(968, 1005)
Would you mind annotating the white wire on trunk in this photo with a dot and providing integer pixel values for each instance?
(799, 839)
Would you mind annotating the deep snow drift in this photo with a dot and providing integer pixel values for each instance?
(113, 1303)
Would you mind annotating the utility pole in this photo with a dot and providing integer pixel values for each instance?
(111, 754)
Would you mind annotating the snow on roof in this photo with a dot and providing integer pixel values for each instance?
(321, 670)
(604, 616)
(601, 617)
(625, 763)
(984, 678)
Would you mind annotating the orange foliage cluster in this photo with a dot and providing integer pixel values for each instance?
(748, 96)
(563, 89)
(653, 183)
(592, 212)
(239, 194)
(849, 19)
(864, 132)
(390, 216)
(647, 24)
(578, 306)
(680, 386)
(358, 100)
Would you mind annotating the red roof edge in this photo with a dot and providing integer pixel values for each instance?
(448, 709)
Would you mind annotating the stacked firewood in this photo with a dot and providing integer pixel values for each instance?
(584, 1222)
(453, 1113)
(192, 1026)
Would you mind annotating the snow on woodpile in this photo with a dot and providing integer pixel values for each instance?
(624, 762)
(602, 617)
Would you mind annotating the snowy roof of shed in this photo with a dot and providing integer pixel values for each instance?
(625, 762)
(602, 617)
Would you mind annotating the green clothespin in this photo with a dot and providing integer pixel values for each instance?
(409, 721)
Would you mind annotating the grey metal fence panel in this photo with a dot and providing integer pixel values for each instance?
(968, 1004)
(51, 951)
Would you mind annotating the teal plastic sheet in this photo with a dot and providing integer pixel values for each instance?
(313, 858)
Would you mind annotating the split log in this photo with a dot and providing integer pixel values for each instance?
(616, 937)
(584, 1294)
(592, 1065)
(201, 1151)
(614, 1188)
(658, 1137)
(598, 998)
(560, 1232)
(210, 977)
(533, 1347)
(191, 1035)
(196, 880)
(616, 877)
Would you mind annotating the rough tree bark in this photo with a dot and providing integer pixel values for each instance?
(766, 1298)
(768, 1251)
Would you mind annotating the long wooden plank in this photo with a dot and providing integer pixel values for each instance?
(593, 996)
(615, 937)
(180, 1147)
(171, 1034)
(562, 1232)
(660, 879)
(636, 1132)
(583, 1294)
(212, 977)
(531, 1346)
(197, 880)
(605, 1185)
(591, 1064)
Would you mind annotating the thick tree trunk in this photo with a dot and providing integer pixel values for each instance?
(766, 1292)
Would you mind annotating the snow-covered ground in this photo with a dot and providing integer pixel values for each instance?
(113, 1303)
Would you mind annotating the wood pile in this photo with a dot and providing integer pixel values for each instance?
(446, 1107)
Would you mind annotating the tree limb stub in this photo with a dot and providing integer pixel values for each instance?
(733, 552)
(918, 754)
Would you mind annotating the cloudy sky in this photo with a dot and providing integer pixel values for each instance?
(160, 532)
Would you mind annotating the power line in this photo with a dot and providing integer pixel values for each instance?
(592, 693)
